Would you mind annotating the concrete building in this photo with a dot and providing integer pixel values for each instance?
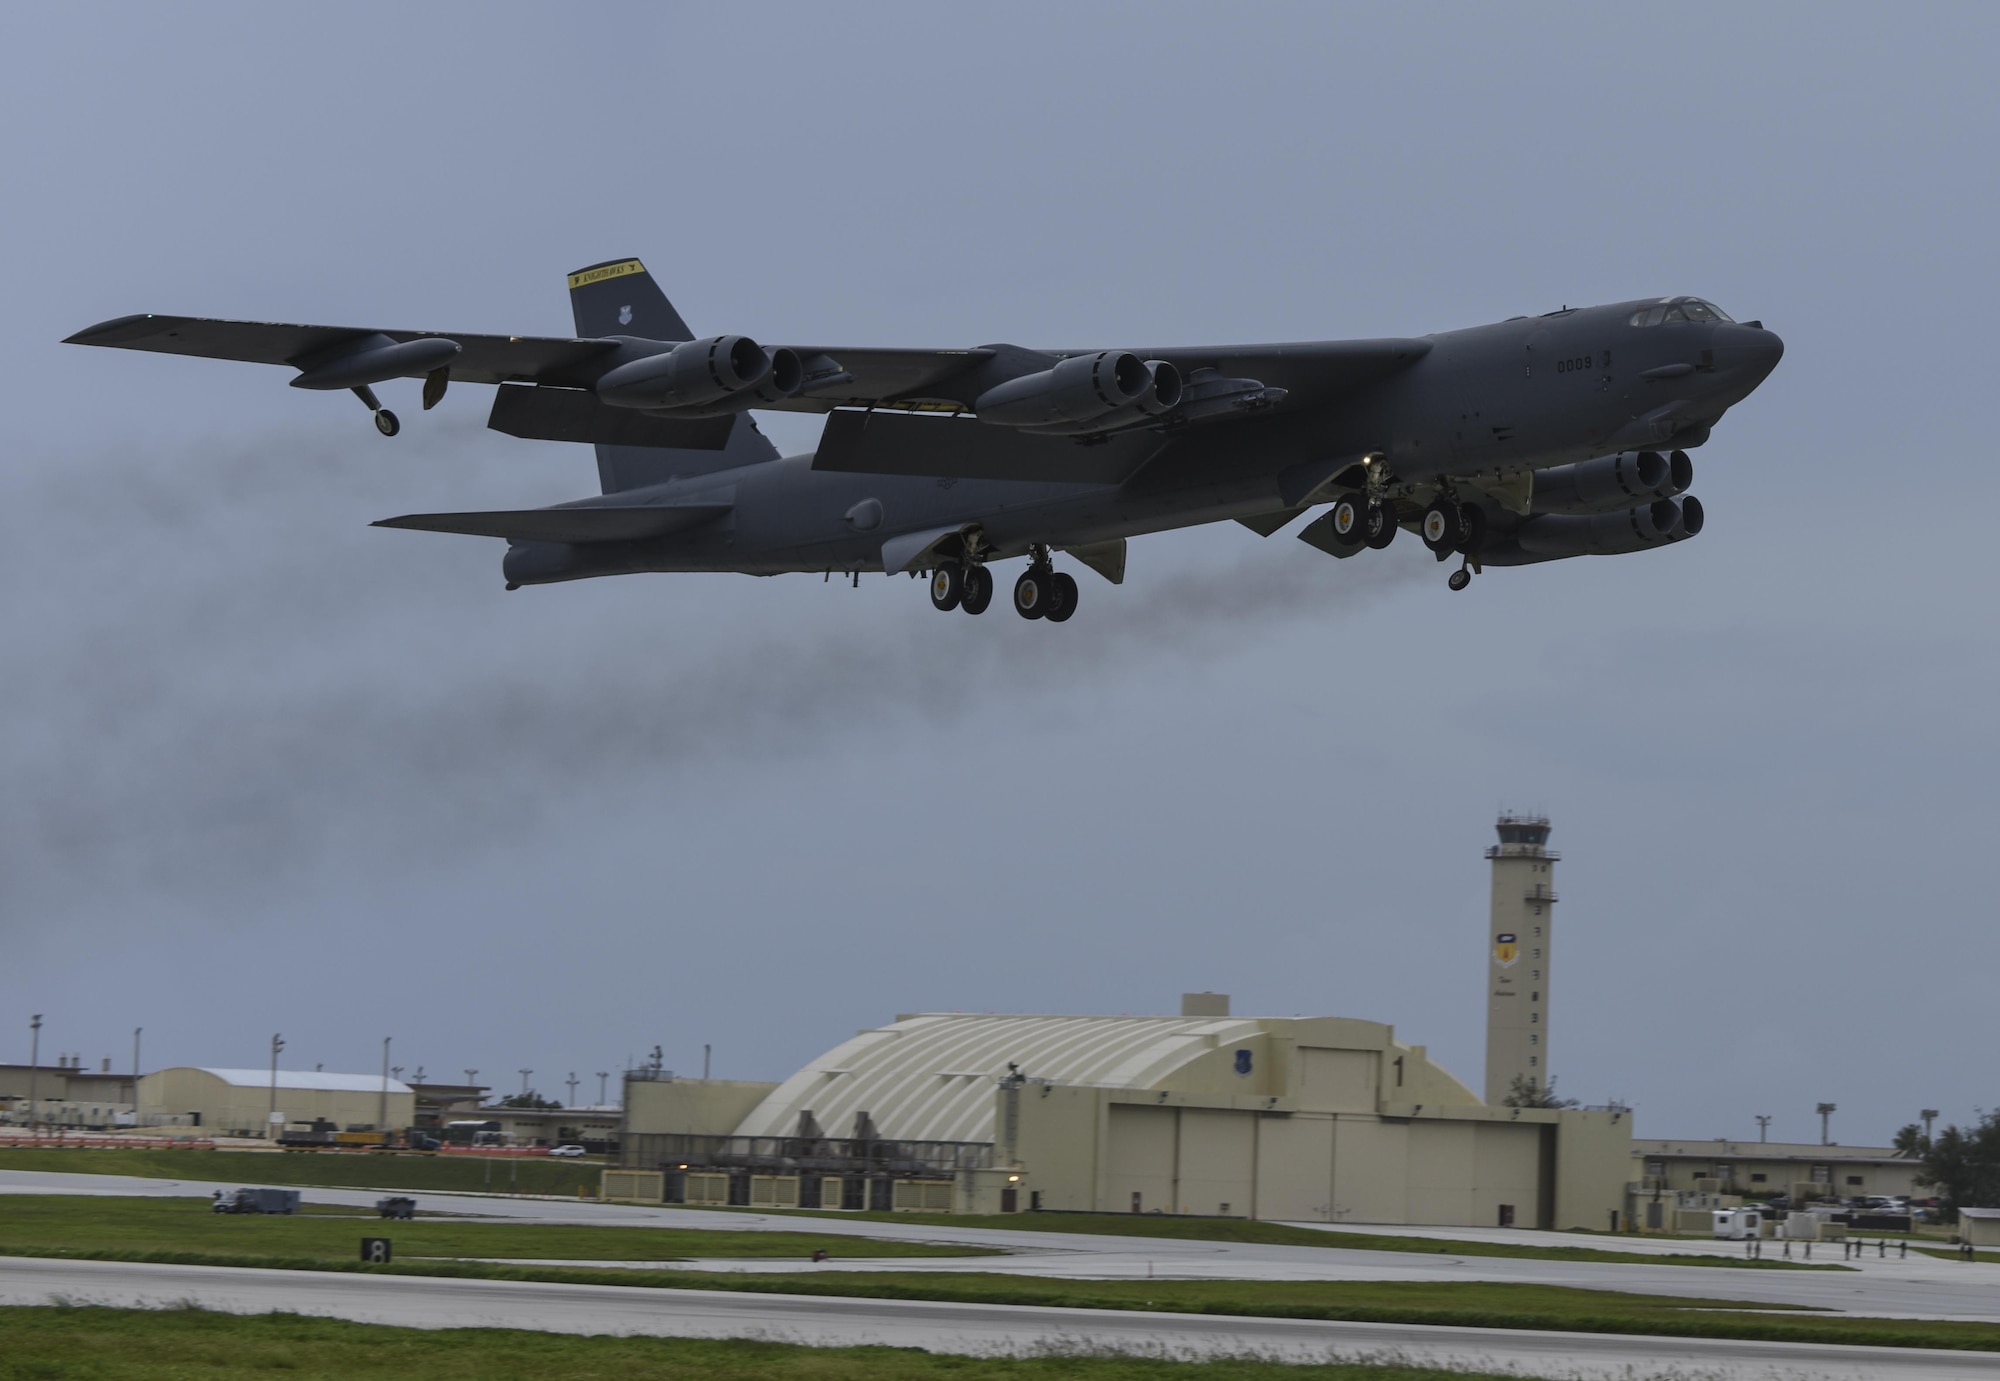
(67, 1095)
(238, 1101)
(1317, 1119)
(1520, 956)
(1756, 1169)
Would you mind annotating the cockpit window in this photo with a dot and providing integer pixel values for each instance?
(1679, 309)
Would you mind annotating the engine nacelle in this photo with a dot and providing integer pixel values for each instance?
(1609, 483)
(1081, 388)
(1608, 534)
(1162, 397)
(692, 374)
(1692, 518)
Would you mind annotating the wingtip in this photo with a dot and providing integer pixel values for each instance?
(117, 329)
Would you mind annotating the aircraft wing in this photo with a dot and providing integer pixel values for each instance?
(597, 523)
(480, 360)
(952, 380)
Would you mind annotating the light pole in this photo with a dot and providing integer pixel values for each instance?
(1929, 1115)
(472, 1081)
(602, 1075)
(34, 1066)
(277, 1044)
(1763, 1126)
(135, 1061)
(524, 1083)
(571, 1081)
(382, 1113)
(1826, 1112)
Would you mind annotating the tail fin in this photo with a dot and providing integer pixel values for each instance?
(619, 298)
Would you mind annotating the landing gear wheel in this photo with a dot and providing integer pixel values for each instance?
(1381, 525)
(978, 590)
(1459, 578)
(1062, 597)
(1443, 528)
(1031, 592)
(947, 588)
(1350, 520)
(1475, 530)
(386, 423)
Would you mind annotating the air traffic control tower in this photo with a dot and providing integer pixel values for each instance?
(1520, 947)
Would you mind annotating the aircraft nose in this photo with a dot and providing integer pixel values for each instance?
(1748, 348)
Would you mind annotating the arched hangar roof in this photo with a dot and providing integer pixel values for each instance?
(931, 1077)
(314, 1081)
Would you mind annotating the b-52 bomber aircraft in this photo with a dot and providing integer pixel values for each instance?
(1534, 439)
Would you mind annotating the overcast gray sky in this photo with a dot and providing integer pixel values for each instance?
(267, 769)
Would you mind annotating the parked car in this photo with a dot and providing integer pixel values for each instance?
(569, 1151)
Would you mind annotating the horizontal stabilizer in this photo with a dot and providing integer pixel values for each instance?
(574, 414)
(573, 525)
(889, 443)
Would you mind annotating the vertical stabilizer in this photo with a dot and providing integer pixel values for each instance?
(619, 298)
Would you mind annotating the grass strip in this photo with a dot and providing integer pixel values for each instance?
(58, 1343)
(323, 1169)
(1468, 1304)
(1286, 1235)
(89, 1221)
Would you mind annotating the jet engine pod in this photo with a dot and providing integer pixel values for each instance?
(1611, 482)
(1162, 396)
(1081, 388)
(691, 374)
(1680, 474)
(1692, 518)
(1603, 534)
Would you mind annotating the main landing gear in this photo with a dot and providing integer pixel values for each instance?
(1045, 593)
(1450, 527)
(1356, 522)
(1042, 592)
(961, 587)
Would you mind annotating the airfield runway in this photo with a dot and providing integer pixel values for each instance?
(1916, 1287)
(437, 1302)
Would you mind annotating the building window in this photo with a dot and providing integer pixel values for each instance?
(1535, 996)
(1758, 1179)
(1854, 1179)
(1538, 932)
(1534, 1040)
(1538, 954)
(1535, 974)
(1656, 1168)
(1820, 1176)
(1533, 1061)
(1534, 1017)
